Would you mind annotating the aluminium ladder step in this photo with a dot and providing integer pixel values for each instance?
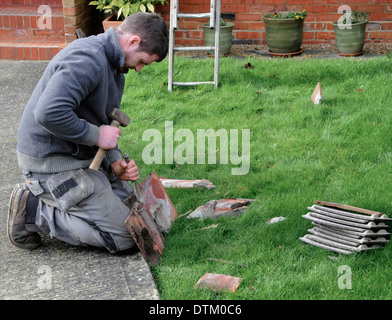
(214, 17)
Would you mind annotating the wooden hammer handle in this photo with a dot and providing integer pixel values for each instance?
(101, 153)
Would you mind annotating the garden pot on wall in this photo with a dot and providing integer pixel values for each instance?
(111, 21)
(350, 38)
(283, 36)
(225, 37)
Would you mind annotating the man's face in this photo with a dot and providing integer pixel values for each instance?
(135, 59)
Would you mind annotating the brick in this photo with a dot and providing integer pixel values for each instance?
(183, 8)
(188, 42)
(320, 8)
(195, 34)
(26, 21)
(34, 53)
(27, 53)
(13, 55)
(6, 53)
(373, 26)
(263, 8)
(380, 35)
(248, 35)
(387, 26)
(188, 24)
(381, 17)
(371, 8)
(236, 8)
(248, 17)
(218, 282)
(55, 51)
(300, 2)
(308, 35)
(20, 53)
(179, 34)
(328, 17)
(19, 22)
(49, 53)
(324, 35)
(328, 1)
(4, 32)
(256, 26)
(42, 53)
(12, 23)
(274, 1)
(24, 33)
(33, 22)
(314, 26)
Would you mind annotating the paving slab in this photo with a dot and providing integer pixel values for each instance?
(56, 270)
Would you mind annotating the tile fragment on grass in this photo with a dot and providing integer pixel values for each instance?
(218, 282)
(316, 95)
(221, 208)
(178, 183)
(275, 220)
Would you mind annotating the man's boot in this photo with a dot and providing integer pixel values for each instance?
(17, 232)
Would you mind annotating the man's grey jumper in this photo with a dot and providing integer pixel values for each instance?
(59, 127)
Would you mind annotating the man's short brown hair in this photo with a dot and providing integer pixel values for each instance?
(152, 31)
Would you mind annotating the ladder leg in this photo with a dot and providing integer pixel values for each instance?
(217, 42)
(171, 45)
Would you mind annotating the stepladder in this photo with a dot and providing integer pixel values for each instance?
(214, 16)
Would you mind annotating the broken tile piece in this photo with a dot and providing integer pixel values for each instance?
(177, 183)
(316, 95)
(275, 220)
(218, 282)
(221, 208)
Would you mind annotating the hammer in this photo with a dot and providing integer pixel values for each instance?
(118, 118)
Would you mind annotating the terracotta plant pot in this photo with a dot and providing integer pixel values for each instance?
(111, 21)
(350, 39)
(283, 35)
(225, 37)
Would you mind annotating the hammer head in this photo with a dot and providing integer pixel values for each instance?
(120, 116)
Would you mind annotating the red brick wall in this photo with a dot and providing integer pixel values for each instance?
(79, 14)
(249, 26)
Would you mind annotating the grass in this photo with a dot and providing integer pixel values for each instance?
(338, 151)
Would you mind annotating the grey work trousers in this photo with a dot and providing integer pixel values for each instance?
(82, 207)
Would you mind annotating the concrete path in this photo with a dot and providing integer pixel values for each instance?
(55, 270)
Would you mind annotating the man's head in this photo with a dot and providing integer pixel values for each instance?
(144, 39)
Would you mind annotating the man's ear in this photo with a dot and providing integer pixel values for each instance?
(134, 40)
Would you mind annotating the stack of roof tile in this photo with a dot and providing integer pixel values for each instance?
(346, 229)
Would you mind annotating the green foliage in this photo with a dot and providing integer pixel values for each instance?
(291, 15)
(355, 17)
(338, 151)
(124, 8)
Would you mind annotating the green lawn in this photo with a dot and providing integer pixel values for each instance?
(338, 151)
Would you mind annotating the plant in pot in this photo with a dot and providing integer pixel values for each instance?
(350, 33)
(118, 10)
(225, 39)
(284, 32)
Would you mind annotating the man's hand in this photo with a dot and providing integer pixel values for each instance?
(126, 171)
(108, 137)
